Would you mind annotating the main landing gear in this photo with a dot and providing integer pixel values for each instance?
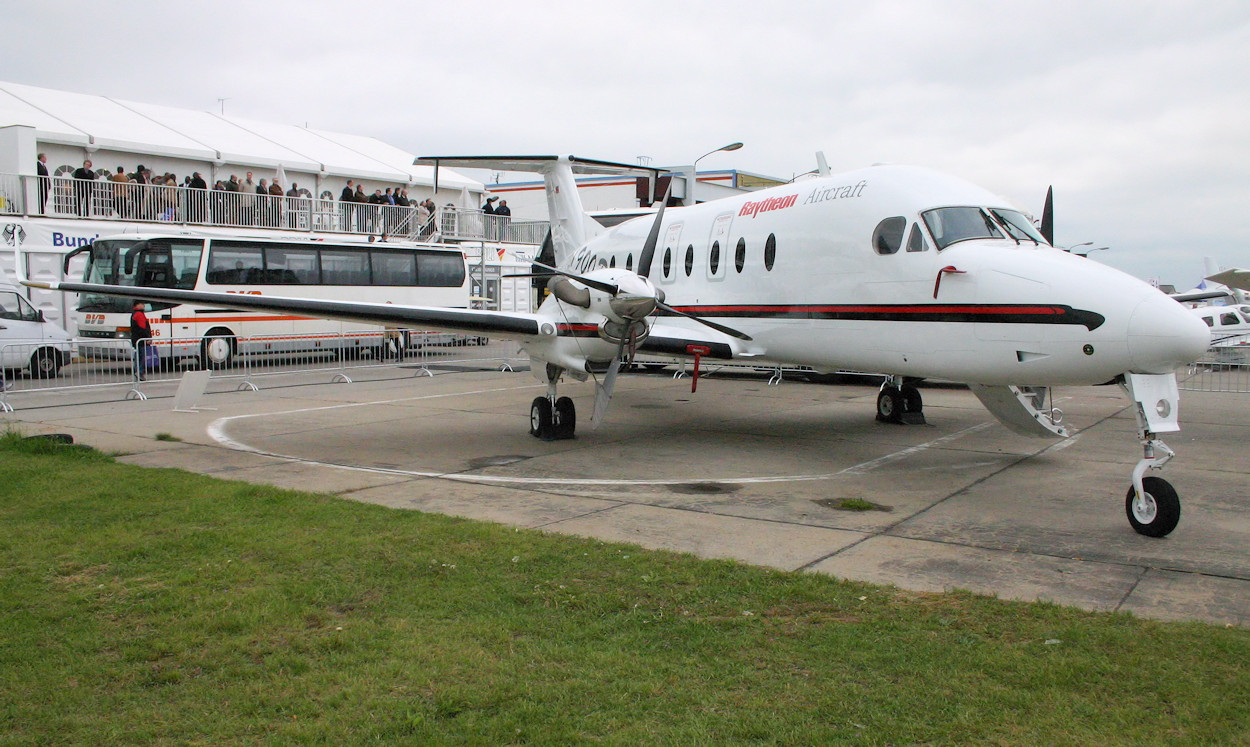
(553, 419)
(899, 401)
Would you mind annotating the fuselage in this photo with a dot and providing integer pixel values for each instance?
(887, 269)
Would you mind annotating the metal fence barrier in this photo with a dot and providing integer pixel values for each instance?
(40, 374)
(1223, 369)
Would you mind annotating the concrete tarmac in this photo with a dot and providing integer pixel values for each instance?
(749, 471)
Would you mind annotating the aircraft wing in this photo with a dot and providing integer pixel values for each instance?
(508, 326)
(1199, 295)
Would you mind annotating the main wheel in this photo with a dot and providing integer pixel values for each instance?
(912, 401)
(566, 418)
(890, 405)
(541, 422)
(217, 350)
(1159, 511)
(45, 364)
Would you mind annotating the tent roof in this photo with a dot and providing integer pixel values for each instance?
(85, 120)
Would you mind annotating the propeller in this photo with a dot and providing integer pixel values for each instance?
(1048, 217)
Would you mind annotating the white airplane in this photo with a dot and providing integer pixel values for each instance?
(891, 269)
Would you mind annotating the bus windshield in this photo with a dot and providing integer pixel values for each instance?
(158, 263)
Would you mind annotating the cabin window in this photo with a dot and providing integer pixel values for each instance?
(713, 260)
(1229, 318)
(770, 251)
(1209, 320)
(668, 261)
(629, 261)
(915, 240)
(612, 261)
(740, 255)
(888, 236)
(689, 259)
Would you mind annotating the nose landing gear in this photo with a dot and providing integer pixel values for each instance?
(1152, 505)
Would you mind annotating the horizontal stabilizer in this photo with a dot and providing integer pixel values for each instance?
(537, 164)
(1234, 278)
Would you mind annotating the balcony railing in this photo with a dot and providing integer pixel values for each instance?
(64, 197)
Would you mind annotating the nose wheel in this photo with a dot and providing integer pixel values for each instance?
(1157, 511)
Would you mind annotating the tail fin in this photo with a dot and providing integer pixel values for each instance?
(570, 226)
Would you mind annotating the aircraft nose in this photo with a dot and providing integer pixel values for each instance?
(1163, 335)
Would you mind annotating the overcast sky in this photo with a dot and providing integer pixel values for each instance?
(1137, 112)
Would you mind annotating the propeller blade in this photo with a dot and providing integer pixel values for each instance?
(1048, 217)
(608, 288)
(653, 238)
(705, 322)
(603, 390)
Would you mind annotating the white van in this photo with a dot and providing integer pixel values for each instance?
(27, 341)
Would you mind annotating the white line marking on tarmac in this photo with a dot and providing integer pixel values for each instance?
(217, 431)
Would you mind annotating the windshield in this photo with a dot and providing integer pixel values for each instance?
(157, 263)
(104, 266)
(954, 224)
(1019, 227)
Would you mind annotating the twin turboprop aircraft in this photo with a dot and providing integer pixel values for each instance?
(897, 270)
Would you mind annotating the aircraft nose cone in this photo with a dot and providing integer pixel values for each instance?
(1163, 335)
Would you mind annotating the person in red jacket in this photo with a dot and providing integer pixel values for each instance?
(140, 332)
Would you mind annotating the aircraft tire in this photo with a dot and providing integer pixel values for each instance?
(912, 401)
(890, 405)
(1159, 514)
(566, 418)
(542, 425)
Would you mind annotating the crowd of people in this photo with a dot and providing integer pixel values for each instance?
(143, 195)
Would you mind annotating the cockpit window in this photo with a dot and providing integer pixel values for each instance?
(954, 224)
(1017, 226)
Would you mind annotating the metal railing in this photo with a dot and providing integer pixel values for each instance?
(102, 199)
(1223, 369)
(38, 374)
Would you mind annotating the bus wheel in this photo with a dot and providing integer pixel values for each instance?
(45, 364)
(217, 351)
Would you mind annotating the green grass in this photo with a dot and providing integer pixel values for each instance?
(156, 606)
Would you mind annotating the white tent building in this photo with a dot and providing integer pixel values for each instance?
(49, 217)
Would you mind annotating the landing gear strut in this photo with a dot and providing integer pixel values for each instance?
(1152, 505)
(899, 401)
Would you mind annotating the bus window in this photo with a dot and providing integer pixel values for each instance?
(440, 269)
(394, 268)
(344, 267)
(235, 263)
(291, 264)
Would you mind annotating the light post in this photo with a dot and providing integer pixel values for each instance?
(1074, 246)
(694, 170)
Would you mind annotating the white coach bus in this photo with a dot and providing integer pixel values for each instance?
(383, 272)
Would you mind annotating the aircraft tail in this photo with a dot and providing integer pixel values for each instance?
(570, 226)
